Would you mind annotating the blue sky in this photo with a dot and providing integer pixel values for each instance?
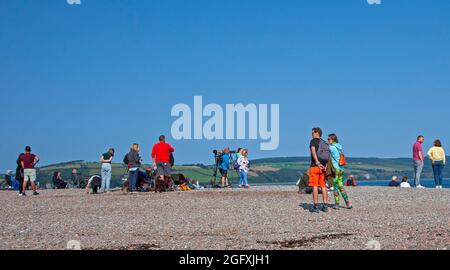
(77, 79)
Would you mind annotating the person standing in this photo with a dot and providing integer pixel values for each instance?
(28, 162)
(244, 168)
(134, 161)
(225, 166)
(320, 154)
(106, 171)
(438, 160)
(418, 159)
(161, 153)
(19, 174)
(336, 151)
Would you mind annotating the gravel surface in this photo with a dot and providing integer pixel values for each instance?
(260, 218)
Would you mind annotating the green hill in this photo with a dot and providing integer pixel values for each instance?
(269, 170)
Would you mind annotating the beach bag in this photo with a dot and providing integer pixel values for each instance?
(172, 160)
(323, 152)
(342, 160)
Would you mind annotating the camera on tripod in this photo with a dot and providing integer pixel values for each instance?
(218, 154)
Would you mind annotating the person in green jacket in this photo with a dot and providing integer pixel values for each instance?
(338, 179)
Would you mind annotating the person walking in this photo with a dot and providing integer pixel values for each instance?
(134, 162)
(161, 153)
(336, 151)
(244, 168)
(320, 154)
(224, 167)
(418, 160)
(106, 171)
(438, 160)
(28, 162)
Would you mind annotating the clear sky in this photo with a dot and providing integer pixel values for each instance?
(77, 79)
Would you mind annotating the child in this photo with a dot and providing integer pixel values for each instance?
(338, 180)
(405, 183)
(244, 168)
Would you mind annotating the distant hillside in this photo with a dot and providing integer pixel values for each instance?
(268, 170)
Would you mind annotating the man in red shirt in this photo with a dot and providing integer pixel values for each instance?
(28, 162)
(161, 159)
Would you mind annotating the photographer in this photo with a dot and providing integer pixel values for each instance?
(224, 166)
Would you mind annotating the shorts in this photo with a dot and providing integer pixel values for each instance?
(29, 175)
(317, 177)
(223, 172)
(163, 169)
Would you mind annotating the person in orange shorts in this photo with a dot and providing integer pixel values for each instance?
(320, 154)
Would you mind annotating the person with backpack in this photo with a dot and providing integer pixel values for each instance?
(133, 161)
(338, 163)
(106, 172)
(320, 154)
(244, 168)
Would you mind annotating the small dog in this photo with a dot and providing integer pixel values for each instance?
(163, 185)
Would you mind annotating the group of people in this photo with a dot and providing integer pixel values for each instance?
(437, 156)
(239, 161)
(327, 162)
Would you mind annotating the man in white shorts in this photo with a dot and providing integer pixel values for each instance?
(28, 162)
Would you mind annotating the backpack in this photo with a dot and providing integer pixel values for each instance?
(126, 160)
(323, 152)
(172, 160)
(236, 165)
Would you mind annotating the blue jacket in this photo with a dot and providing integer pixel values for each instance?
(336, 151)
(225, 165)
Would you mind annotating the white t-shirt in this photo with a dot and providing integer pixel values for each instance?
(405, 185)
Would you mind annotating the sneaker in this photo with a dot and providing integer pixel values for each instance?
(247, 186)
(240, 186)
(35, 193)
(350, 207)
(315, 209)
(420, 186)
(22, 194)
(335, 207)
(325, 209)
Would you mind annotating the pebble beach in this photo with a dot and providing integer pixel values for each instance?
(262, 218)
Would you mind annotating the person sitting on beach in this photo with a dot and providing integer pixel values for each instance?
(336, 154)
(244, 168)
(394, 182)
(405, 183)
(76, 179)
(58, 182)
(351, 182)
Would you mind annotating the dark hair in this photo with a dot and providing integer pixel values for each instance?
(162, 138)
(420, 137)
(112, 151)
(334, 137)
(55, 175)
(405, 179)
(437, 143)
(317, 130)
(28, 149)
